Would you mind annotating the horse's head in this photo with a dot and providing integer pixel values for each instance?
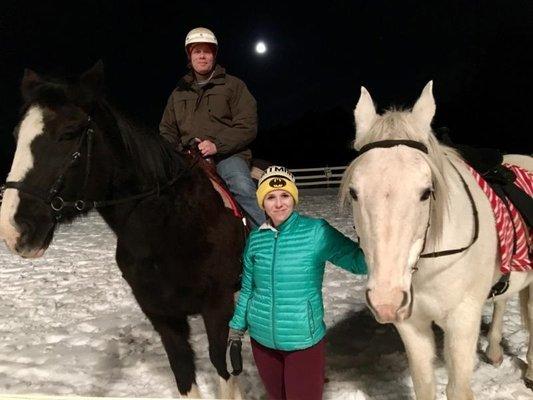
(391, 188)
(50, 160)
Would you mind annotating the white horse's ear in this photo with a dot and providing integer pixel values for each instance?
(364, 113)
(424, 108)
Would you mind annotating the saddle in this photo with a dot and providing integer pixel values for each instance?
(489, 164)
(512, 186)
(207, 165)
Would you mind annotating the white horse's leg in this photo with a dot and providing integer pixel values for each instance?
(419, 342)
(494, 350)
(229, 389)
(461, 334)
(526, 298)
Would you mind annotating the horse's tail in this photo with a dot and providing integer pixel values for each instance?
(524, 299)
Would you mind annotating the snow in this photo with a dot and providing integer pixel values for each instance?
(70, 326)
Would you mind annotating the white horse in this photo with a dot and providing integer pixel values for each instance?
(407, 202)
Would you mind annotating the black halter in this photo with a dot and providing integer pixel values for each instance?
(384, 144)
(57, 203)
(422, 147)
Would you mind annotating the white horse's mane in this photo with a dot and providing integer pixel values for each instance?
(395, 124)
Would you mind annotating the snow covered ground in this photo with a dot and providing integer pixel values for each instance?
(70, 326)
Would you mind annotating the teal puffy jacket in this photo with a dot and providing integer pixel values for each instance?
(281, 294)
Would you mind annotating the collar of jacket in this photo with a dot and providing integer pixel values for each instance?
(219, 77)
(283, 226)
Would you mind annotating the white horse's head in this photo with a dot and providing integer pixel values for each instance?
(391, 192)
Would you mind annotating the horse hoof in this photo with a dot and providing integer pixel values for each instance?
(496, 362)
(493, 359)
(529, 383)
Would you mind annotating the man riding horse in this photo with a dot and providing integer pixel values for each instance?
(218, 113)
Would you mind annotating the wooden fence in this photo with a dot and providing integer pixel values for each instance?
(318, 177)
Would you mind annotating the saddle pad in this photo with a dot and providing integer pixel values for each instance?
(227, 198)
(515, 240)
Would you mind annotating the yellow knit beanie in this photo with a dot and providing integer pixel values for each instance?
(276, 178)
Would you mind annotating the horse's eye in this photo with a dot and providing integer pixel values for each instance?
(426, 194)
(69, 134)
(353, 193)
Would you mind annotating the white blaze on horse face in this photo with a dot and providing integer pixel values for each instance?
(31, 126)
(391, 220)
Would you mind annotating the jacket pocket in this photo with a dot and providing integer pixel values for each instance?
(248, 308)
(310, 318)
(218, 107)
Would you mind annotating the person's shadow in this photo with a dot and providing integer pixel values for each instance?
(367, 356)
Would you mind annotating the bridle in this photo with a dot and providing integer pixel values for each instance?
(423, 148)
(52, 197)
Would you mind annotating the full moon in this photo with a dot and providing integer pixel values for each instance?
(260, 48)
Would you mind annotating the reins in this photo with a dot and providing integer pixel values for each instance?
(442, 253)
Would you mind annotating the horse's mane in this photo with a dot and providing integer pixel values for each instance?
(395, 124)
(153, 158)
(147, 153)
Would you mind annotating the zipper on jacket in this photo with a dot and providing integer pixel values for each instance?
(273, 290)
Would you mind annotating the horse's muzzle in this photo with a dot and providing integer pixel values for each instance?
(28, 242)
(396, 306)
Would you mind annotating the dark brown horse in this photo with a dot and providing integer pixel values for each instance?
(178, 247)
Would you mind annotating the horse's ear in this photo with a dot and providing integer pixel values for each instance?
(364, 113)
(29, 81)
(424, 108)
(93, 79)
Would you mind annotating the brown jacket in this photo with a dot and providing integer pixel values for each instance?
(223, 111)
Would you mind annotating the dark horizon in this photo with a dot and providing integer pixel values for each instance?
(308, 82)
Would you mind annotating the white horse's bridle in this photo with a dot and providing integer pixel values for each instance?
(423, 148)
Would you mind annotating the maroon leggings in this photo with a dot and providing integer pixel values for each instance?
(291, 375)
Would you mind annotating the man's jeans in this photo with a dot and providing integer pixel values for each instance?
(236, 173)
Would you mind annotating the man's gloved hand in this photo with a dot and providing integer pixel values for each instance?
(235, 344)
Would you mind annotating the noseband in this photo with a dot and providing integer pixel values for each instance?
(423, 148)
(57, 203)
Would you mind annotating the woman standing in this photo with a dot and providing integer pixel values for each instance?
(280, 302)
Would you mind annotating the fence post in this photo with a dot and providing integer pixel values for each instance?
(327, 172)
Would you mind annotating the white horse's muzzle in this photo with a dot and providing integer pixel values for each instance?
(391, 306)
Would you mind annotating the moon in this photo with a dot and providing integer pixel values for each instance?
(260, 47)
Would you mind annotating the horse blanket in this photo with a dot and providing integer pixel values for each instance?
(515, 238)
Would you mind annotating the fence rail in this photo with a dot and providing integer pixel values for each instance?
(320, 176)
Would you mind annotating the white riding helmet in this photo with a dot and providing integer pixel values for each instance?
(200, 35)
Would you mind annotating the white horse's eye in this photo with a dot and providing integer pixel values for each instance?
(426, 194)
(353, 193)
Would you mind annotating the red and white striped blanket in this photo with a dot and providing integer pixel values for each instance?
(509, 223)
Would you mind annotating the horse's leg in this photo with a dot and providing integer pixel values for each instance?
(217, 312)
(419, 342)
(494, 349)
(461, 332)
(174, 334)
(526, 300)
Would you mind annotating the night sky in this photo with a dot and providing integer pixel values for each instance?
(307, 84)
